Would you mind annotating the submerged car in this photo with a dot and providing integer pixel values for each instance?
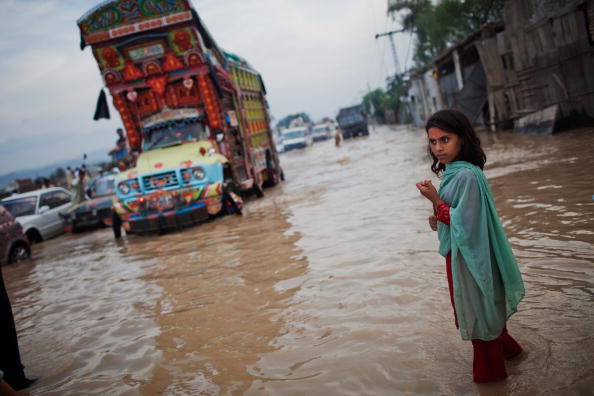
(322, 132)
(96, 211)
(14, 245)
(39, 211)
(296, 138)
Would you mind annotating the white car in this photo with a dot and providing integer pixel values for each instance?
(297, 137)
(322, 132)
(39, 211)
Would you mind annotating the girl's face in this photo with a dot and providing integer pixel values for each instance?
(444, 145)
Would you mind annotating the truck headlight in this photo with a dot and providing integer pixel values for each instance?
(198, 173)
(124, 187)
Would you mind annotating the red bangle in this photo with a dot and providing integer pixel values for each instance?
(443, 213)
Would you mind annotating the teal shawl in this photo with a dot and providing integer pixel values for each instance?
(487, 282)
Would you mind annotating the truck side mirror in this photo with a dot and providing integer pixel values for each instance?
(44, 209)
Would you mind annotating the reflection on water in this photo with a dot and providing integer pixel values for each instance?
(84, 316)
(220, 300)
(330, 284)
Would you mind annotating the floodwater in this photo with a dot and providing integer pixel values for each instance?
(329, 285)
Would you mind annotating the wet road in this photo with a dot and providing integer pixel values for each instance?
(329, 285)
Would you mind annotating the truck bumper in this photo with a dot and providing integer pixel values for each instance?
(167, 209)
(171, 219)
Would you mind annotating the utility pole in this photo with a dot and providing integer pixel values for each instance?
(390, 36)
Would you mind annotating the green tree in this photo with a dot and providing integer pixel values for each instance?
(58, 174)
(286, 121)
(379, 100)
(438, 26)
(376, 101)
(413, 9)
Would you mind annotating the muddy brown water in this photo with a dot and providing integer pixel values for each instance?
(329, 285)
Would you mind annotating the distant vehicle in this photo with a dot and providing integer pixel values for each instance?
(296, 138)
(322, 132)
(14, 245)
(95, 212)
(352, 121)
(39, 211)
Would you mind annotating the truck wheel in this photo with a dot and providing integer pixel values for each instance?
(229, 204)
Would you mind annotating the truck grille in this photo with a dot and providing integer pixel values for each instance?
(160, 181)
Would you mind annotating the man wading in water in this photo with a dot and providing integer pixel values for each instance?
(483, 277)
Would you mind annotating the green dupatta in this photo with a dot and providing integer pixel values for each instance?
(487, 282)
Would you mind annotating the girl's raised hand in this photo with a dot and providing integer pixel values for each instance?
(427, 189)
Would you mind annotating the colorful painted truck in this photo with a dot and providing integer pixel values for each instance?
(195, 115)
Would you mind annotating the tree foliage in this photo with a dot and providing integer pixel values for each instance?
(58, 174)
(378, 101)
(438, 26)
(374, 103)
(286, 121)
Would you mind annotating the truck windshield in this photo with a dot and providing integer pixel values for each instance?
(294, 134)
(21, 206)
(172, 133)
(351, 118)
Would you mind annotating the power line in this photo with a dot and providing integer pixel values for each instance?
(393, 46)
(408, 51)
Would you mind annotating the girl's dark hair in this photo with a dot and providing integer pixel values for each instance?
(456, 122)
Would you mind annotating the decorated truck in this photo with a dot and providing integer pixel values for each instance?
(195, 116)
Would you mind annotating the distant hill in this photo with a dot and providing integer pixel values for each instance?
(93, 157)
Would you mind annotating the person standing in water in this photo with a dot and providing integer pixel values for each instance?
(484, 279)
(78, 187)
(337, 137)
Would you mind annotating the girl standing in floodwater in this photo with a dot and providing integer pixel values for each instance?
(483, 277)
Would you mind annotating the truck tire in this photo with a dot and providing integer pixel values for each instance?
(229, 204)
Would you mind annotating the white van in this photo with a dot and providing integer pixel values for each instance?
(297, 137)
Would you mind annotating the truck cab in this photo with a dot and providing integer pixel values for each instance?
(353, 121)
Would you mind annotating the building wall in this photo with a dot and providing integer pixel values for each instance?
(416, 101)
(552, 47)
(433, 100)
(424, 97)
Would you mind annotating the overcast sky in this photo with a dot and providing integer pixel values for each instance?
(314, 56)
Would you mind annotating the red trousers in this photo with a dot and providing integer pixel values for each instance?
(489, 356)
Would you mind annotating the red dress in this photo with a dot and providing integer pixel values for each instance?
(489, 356)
